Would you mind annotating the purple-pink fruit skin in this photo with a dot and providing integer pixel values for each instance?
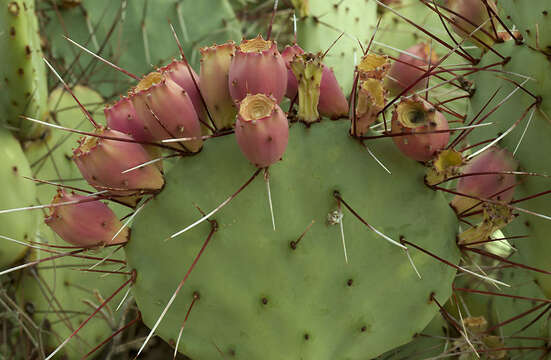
(85, 224)
(257, 72)
(167, 112)
(424, 146)
(102, 163)
(493, 159)
(406, 72)
(122, 116)
(179, 73)
(263, 141)
(332, 102)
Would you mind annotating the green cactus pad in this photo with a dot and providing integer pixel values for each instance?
(18, 225)
(23, 86)
(51, 156)
(533, 150)
(325, 21)
(51, 159)
(495, 310)
(198, 23)
(533, 20)
(259, 298)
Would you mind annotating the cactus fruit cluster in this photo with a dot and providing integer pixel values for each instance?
(303, 179)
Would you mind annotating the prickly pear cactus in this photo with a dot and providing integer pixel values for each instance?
(248, 225)
(322, 22)
(473, 321)
(305, 297)
(532, 20)
(141, 40)
(18, 226)
(23, 86)
(60, 294)
(526, 123)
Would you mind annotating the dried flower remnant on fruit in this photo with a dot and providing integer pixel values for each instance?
(446, 164)
(332, 102)
(476, 324)
(371, 100)
(495, 217)
(373, 66)
(308, 71)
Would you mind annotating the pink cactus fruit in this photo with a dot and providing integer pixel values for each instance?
(102, 162)
(288, 54)
(122, 117)
(371, 100)
(166, 111)
(424, 129)
(261, 130)
(85, 223)
(179, 72)
(498, 187)
(332, 103)
(257, 68)
(214, 79)
(409, 67)
(469, 15)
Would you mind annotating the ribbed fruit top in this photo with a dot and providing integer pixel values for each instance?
(412, 114)
(149, 80)
(255, 107)
(257, 44)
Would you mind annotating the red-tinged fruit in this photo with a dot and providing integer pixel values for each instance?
(261, 130)
(102, 161)
(122, 117)
(166, 111)
(332, 102)
(489, 186)
(469, 15)
(421, 131)
(410, 66)
(179, 72)
(85, 222)
(257, 68)
(215, 69)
